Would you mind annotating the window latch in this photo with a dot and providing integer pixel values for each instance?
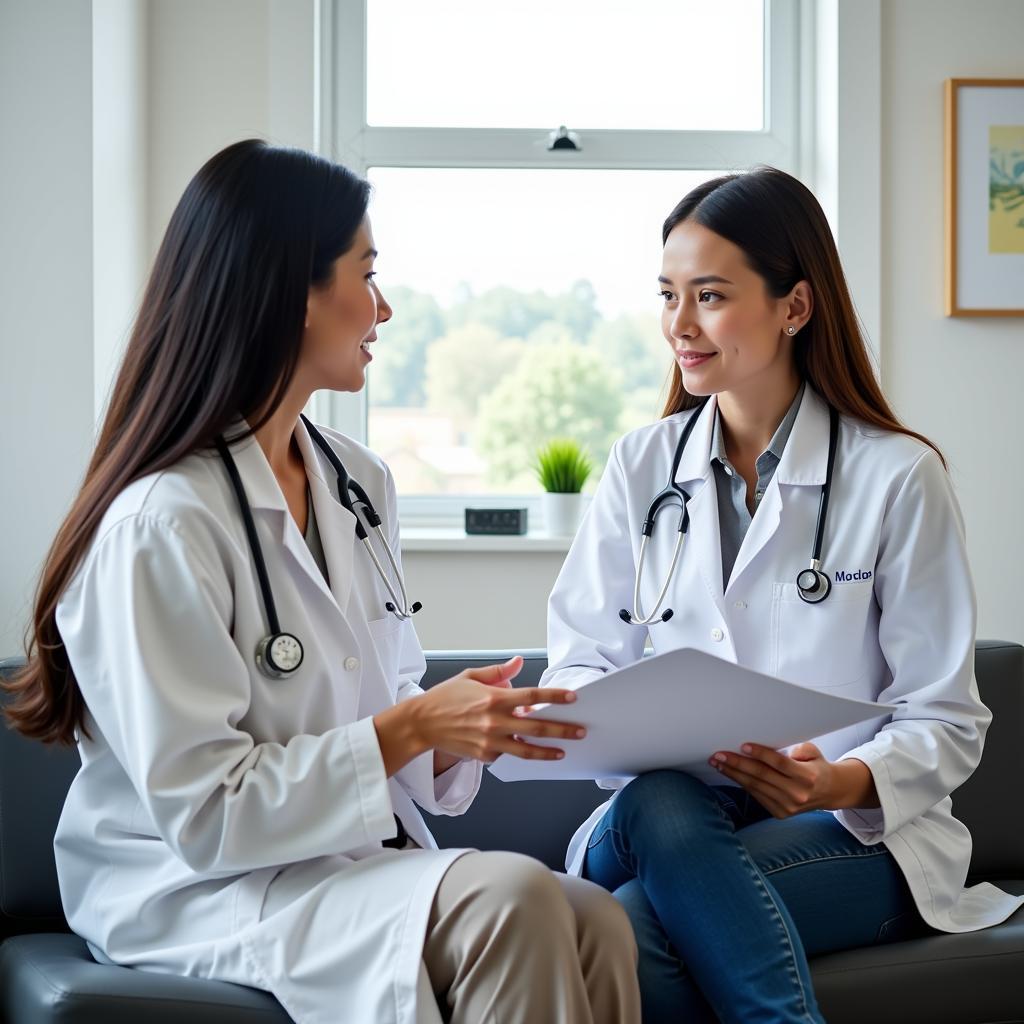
(562, 138)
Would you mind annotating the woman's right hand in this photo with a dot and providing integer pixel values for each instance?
(475, 714)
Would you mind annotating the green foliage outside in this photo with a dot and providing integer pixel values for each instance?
(513, 370)
(515, 314)
(464, 365)
(562, 391)
(399, 361)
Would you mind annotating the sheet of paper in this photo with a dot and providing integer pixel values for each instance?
(675, 710)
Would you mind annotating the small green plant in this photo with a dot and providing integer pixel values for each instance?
(562, 466)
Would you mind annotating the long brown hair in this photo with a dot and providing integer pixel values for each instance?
(785, 237)
(217, 337)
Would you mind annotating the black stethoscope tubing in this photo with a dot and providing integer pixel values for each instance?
(812, 584)
(279, 654)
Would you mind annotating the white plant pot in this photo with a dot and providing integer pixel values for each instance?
(561, 513)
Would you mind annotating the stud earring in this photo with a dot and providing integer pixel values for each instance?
(791, 330)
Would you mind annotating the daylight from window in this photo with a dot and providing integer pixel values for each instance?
(526, 307)
(686, 65)
(526, 299)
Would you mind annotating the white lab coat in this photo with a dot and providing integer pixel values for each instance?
(226, 825)
(899, 625)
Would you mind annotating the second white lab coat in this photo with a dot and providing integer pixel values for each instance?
(898, 627)
(226, 825)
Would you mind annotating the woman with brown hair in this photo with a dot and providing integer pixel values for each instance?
(222, 626)
(804, 533)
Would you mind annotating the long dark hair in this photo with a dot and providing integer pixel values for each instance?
(217, 336)
(781, 228)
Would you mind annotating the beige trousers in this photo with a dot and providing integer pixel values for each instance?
(510, 942)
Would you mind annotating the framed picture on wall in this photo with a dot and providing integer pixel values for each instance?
(984, 197)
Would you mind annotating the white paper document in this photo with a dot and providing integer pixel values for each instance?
(675, 710)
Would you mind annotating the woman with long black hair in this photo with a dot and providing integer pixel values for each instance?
(223, 628)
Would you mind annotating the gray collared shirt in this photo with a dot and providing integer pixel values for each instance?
(733, 517)
(313, 539)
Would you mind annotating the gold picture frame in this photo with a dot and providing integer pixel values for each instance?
(985, 197)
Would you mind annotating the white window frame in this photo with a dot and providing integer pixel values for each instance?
(344, 135)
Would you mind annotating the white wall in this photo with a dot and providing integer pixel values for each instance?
(852, 75)
(221, 71)
(208, 87)
(120, 167)
(481, 600)
(106, 109)
(957, 380)
(46, 281)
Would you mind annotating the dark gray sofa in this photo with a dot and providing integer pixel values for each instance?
(47, 974)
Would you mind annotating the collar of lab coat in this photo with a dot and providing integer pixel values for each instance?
(804, 459)
(336, 523)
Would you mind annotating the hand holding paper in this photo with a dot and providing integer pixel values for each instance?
(675, 710)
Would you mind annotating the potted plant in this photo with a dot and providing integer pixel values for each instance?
(562, 467)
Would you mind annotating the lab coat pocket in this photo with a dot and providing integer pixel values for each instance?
(821, 645)
(386, 635)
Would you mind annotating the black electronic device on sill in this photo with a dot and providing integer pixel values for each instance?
(496, 521)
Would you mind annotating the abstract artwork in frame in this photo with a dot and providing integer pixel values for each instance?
(984, 197)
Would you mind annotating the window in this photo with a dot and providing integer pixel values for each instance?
(523, 278)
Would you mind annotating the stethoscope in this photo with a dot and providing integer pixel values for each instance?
(812, 584)
(279, 654)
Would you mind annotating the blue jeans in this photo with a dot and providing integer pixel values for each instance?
(727, 902)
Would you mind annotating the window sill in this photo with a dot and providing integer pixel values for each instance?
(454, 539)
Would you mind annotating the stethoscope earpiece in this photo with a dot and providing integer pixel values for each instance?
(627, 618)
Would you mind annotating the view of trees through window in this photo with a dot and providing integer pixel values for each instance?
(463, 395)
(526, 308)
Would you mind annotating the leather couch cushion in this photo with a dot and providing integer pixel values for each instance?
(973, 978)
(947, 979)
(991, 802)
(34, 781)
(46, 979)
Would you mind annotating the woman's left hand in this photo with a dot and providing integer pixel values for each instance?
(801, 781)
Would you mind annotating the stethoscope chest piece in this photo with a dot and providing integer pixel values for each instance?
(813, 585)
(279, 655)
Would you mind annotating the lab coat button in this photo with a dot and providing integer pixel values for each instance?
(741, 604)
(717, 634)
(351, 664)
